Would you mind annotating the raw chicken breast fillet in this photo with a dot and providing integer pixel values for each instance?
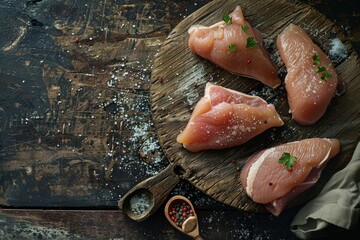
(268, 182)
(212, 43)
(308, 94)
(225, 118)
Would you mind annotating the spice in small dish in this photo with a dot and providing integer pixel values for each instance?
(180, 212)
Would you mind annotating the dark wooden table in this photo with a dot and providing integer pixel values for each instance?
(75, 120)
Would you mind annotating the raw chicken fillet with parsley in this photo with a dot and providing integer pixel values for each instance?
(277, 175)
(225, 118)
(311, 79)
(236, 47)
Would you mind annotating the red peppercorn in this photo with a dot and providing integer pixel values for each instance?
(180, 212)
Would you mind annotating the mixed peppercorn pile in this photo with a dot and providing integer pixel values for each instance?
(179, 212)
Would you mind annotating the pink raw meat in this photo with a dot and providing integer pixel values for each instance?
(308, 94)
(212, 43)
(225, 118)
(268, 182)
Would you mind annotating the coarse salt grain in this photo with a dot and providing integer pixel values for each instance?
(338, 51)
(139, 203)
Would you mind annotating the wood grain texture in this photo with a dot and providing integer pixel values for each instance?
(155, 189)
(53, 75)
(74, 99)
(178, 81)
(112, 224)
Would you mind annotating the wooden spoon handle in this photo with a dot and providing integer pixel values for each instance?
(198, 237)
(156, 188)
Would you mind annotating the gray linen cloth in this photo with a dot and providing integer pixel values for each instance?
(336, 207)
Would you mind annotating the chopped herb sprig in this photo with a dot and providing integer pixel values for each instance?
(227, 19)
(325, 74)
(251, 42)
(232, 48)
(245, 28)
(316, 59)
(287, 159)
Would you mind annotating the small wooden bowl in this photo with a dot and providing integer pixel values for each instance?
(190, 226)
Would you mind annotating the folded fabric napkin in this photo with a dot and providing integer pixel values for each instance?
(336, 206)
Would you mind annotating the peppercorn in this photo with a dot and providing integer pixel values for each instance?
(180, 212)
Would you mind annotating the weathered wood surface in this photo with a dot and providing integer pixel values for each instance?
(86, 224)
(179, 79)
(75, 119)
(74, 103)
(155, 189)
(99, 224)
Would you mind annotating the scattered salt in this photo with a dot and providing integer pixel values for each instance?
(139, 203)
(192, 97)
(338, 51)
(139, 131)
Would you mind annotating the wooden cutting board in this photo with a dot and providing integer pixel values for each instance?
(179, 78)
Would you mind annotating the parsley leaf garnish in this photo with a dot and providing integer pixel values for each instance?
(227, 19)
(316, 59)
(321, 69)
(232, 48)
(287, 159)
(326, 75)
(245, 28)
(250, 42)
